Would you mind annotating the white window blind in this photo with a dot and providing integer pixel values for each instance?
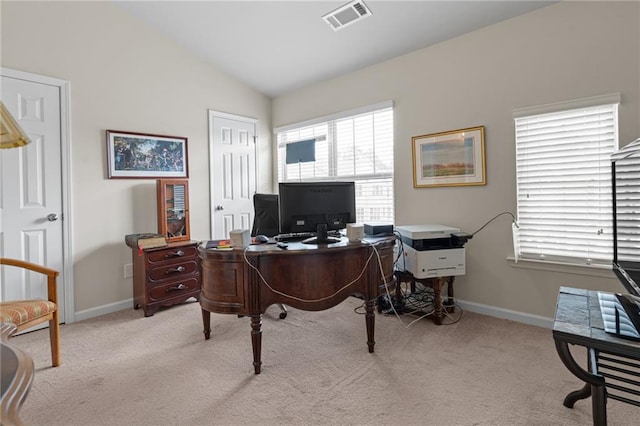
(563, 168)
(355, 147)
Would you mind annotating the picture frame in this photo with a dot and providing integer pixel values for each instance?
(132, 155)
(453, 158)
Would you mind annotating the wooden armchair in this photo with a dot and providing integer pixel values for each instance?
(27, 313)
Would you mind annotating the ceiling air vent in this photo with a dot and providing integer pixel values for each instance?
(347, 14)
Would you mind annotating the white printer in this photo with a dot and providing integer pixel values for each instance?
(433, 250)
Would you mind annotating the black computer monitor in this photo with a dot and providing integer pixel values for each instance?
(625, 175)
(316, 207)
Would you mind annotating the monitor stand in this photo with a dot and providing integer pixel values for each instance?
(321, 237)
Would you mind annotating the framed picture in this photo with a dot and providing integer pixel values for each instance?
(454, 158)
(144, 156)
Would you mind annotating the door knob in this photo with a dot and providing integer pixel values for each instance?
(219, 207)
(52, 217)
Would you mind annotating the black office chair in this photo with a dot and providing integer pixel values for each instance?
(266, 222)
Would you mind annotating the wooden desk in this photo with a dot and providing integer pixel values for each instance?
(304, 276)
(613, 363)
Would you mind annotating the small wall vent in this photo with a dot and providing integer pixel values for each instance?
(346, 15)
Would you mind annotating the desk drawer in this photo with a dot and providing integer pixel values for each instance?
(169, 271)
(175, 288)
(171, 254)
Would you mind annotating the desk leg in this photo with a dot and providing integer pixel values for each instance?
(370, 319)
(206, 324)
(256, 341)
(575, 396)
(594, 383)
(599, 405)
(598, 402)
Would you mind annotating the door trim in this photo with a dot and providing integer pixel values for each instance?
(65, 149)
(212, 116)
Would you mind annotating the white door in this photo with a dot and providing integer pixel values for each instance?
(233, 172)
(31, 199)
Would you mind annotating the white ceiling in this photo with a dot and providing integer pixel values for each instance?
(279, 46)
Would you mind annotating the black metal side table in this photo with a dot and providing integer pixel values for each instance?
(613, 364)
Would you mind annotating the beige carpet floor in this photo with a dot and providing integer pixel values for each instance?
(124, 369)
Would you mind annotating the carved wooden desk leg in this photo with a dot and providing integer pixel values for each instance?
(370, 319)
(256, 341)
(206, 324)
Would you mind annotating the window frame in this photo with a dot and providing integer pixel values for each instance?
(332, 123)
(604, 174)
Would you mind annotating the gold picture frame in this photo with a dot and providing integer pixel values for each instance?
(453, 158)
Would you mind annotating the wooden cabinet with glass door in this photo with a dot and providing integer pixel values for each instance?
(173, 209)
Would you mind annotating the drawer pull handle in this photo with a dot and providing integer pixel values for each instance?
(176, 288)
(178, 253)
(175, 270)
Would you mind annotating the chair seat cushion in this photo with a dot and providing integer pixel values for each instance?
(22, 311)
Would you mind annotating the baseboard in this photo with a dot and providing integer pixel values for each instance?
(104, 309)
(478, 308)
(509, 314)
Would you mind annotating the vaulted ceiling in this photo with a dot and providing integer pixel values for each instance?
(280, 46)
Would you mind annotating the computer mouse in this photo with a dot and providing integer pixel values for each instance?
(261, 239)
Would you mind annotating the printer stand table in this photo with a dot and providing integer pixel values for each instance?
(436, 283)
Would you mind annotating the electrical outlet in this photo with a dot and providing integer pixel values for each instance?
(128, 270)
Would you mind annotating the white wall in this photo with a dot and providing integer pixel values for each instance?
(565, 51)
(124, 76)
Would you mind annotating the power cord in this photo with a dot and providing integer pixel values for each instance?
(322, 299)
(422, 303)
(400, 251)
(494, 218)
(425, 300)
(386, 285)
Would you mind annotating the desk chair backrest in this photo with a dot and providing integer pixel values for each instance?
(266, 215)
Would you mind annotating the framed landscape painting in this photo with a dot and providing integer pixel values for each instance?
(453, 158)
(146, 156)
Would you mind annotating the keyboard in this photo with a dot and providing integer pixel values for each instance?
(299, 236)
(294, 236)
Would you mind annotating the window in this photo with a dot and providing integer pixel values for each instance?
(563, 172)
(353, 146)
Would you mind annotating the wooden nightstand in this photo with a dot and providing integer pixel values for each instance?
(165, 276)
